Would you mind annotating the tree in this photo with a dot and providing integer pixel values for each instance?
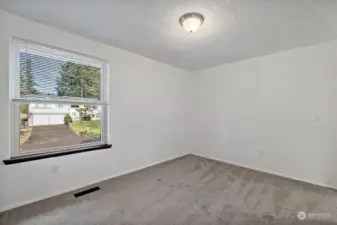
(27, 84)
(24, 108)
(24, 114)
(79, 81)
(85, 112)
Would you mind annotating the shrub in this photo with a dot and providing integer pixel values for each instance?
(86, 118)
(67, 119)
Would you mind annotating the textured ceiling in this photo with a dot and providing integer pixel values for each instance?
(233, 29)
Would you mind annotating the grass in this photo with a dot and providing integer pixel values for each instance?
(79, 127)
(25, 134)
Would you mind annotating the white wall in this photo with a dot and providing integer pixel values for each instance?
(148, 117)
(276, 113)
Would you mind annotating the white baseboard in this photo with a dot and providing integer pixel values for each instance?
(89, 184)
(266, 171)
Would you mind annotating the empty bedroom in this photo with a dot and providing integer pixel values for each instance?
(150, 112)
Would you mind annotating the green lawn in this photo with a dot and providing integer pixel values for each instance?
(25, 134)
(79, 127)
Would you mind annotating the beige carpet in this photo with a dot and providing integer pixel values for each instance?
(188, 190)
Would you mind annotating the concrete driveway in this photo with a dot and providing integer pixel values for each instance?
(50, 136)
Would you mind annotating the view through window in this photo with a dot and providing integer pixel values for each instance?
(58, 99)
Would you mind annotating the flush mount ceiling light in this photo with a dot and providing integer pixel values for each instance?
(191, 22)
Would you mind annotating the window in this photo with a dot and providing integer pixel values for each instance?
(48, 87)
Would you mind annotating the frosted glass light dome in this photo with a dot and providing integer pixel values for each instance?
(191, 22)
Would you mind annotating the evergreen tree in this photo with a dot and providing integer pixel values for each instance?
(78, 80)
(27, 84)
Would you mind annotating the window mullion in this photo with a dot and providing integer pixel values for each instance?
(56, 101)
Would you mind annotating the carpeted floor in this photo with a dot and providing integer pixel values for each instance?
(188, 190)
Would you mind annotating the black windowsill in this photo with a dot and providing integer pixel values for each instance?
(28, 158)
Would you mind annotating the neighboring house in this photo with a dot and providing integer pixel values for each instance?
(49, 114)
(75, 115)
(96, 113)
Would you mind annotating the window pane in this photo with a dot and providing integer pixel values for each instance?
(55, 126)
(44, 76)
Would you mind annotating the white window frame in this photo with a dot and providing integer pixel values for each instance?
(17, 44)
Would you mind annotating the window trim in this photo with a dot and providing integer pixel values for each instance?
(34, 157)
(15, 98)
